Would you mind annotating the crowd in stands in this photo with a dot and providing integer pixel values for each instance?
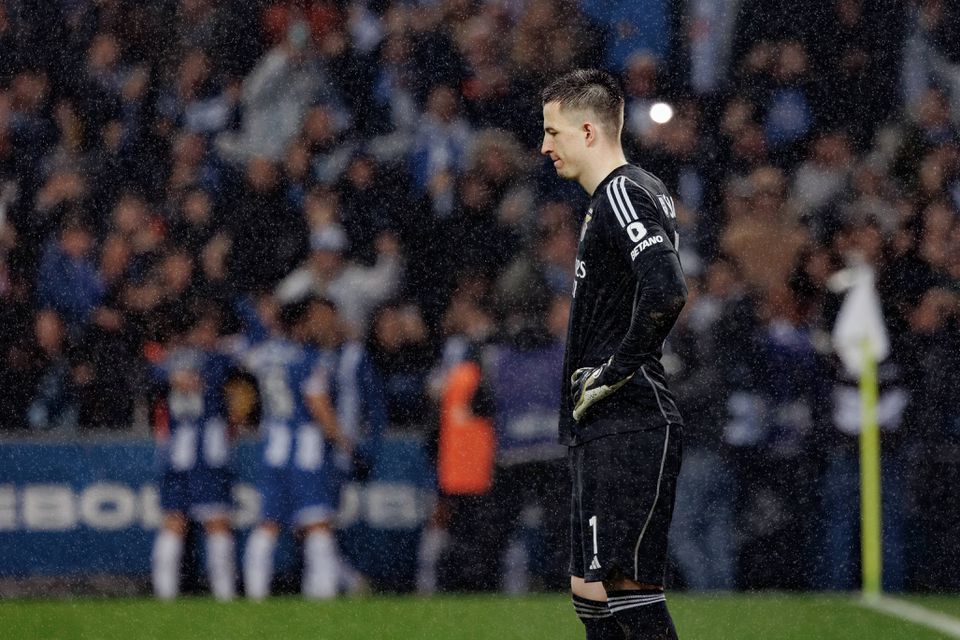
(383, 155)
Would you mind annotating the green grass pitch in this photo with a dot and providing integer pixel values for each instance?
(780, 616)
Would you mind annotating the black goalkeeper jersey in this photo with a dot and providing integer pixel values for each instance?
(627, 294)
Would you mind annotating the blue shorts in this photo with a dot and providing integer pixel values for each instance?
(299, 498)
(201, 493)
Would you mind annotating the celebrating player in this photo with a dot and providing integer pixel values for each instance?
(617, 416)
(298, 485)
(193, 452)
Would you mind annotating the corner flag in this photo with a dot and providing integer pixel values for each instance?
(860, 322)
(860, 339)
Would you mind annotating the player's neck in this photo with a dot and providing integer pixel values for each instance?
(606, 164)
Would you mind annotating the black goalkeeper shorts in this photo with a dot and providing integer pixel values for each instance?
(623, 488)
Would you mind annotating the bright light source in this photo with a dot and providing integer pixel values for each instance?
(661, 112)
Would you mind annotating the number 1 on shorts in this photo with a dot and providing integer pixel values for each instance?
(593, 526)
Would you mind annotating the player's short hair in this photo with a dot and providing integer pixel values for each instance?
(592, 89)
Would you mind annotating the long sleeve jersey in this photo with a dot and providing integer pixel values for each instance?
(628, 292)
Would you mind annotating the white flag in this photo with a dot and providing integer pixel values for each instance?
(860, 318)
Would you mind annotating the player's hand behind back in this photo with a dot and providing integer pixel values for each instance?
(590, 385)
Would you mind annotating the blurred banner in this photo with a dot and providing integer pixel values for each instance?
(92, 508)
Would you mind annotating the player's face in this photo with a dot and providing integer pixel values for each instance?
(563, 140)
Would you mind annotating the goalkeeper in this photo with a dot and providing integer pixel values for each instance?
(617, 416)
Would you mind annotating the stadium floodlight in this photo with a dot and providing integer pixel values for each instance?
(661, 112)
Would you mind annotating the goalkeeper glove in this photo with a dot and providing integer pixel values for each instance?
(592, 384)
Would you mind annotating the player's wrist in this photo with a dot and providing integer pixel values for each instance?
(614, 372)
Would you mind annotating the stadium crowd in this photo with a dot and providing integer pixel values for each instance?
(157, 157)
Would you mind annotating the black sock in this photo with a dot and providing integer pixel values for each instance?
(642, 614)
(597, 619)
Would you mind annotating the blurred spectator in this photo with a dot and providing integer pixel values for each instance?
(522, 380)
(856, 51)
(440, 153)
(68, 281)
(132, 223)
(497, 158)
(401, 354)
(100, 85)
(394, 95)
(105, 372)
(932, 54)
(621, 20)
(701, 537)
(764, 237)
(776, 509)
(269, 235)
(486, 87)
(790, 115)
(18, 358)
(465, 457)
(370, 205)
(709, 30)
(465, 327)
(60, 198)
(275, 96)
(547, 267)
(50, 380)
(194, 222)
(474, 238)
(190, 165)
(329, 147)
(821, 179)
(641, 91)
(355, 289)
(196, 102)
(927, 133)
(934, 339)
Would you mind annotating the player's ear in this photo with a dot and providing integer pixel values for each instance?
(589, 131)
